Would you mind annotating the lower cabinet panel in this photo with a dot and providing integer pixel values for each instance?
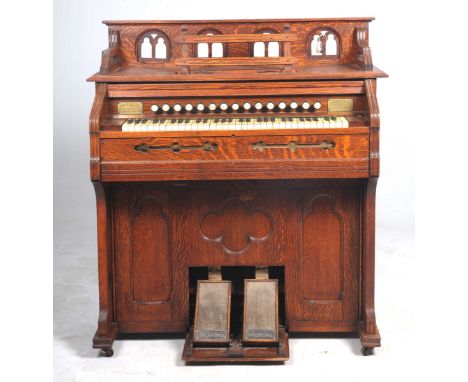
(311, 228)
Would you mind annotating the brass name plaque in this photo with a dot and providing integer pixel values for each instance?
(212, 311)
(340, 104)
(260, 311)
(130, 108)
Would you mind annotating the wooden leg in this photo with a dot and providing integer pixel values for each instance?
(107, 329)
(105, 342)
(369, 333)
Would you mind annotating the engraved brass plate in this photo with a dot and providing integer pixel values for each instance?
(212, 312)
(340, 104)
(260, 311)
(130, 108)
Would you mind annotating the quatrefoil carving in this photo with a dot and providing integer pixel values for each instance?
(235, 226)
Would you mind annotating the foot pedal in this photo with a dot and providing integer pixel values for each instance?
(260, 309)
(212, 310)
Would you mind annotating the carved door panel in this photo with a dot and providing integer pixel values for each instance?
(238, 225)
(325, 284)
(143, 250)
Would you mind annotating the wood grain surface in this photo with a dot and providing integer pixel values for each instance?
(171, 205)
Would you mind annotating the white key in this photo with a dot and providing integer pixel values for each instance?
(282, 124)
(125, 125)
(137, 126)
(344, 122)
(337, 122)
(325, 123)
(144, 126)
(300, 124)
(320, 122)
(269, 124)
(182, 126)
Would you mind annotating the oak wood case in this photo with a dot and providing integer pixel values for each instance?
(311, 211)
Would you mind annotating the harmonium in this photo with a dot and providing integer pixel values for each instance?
(235, 165)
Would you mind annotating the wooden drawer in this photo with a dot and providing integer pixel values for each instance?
(262, 157)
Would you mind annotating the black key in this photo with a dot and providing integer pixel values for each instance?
(187, 121)
(216, 120)
(290, 119)
(247, 119)
(144, 121)
(327, 118)
(180, 121)
(229, 119)
(241, 120)
(333, 118)
(283, 119)
(173, 121)
(129, 120)
(272, 119)
(155, 120)
(315, 119)
(301, 119)
(198, 120)
(259, 119)
(205, 120)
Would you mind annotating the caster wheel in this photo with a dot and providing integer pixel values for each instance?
(108, 352)
(367, 351)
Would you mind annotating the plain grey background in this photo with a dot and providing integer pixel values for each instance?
(79, 38)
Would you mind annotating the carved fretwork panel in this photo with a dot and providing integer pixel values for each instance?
(324, 43)
(207, 50)
(153, 46)
(322, 265)
(266, 49)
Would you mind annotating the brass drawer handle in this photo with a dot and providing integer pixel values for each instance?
(293, 146)
(176, 147)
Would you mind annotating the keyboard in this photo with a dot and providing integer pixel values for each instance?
(219, 124)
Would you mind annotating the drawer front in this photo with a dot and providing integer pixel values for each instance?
(248, 156)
